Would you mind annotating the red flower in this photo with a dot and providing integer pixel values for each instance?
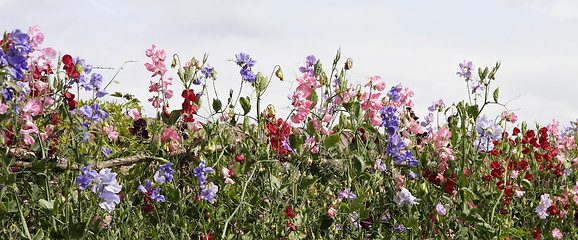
(536, 233)
(516, 131)
(289, 212)
(70, 100)
(69, 67)
(189, 105)
(239, 158)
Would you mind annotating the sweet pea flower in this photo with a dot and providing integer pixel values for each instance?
(404, 197)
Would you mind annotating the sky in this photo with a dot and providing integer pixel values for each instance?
(418, 44)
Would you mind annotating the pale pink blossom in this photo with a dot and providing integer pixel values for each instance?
(197, 126)
(556, 233)
(229, 181)
(519, 193)
(169, 134)
(3, 107)
(134, 114)
(32, 107)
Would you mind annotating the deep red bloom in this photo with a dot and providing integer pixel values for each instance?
(210, 236)
(516, 131)
(289, 212)
(450, 184)
(239, 158)
(189, 105)
(529, 176)
(69, 67)
(70, 100)
(536, 233)
(147, 208)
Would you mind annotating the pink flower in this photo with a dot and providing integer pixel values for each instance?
(332, 211)
(134, 114)
(32, 107)
(28, 140)
(229, 181)
(556, 233)
(111, 133)
(376, 83)
(3, 107)
(169, 134)
(197, 126)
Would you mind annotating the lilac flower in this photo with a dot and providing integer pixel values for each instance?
(106, 151)
(441, 209)
(95, 81)
(309, 63)
(208, 71)
(428, 120)
(93, 112)
(394, 145)
(380, 166)
(466, 70)
(542, 208)
(488, 131)
(393, 94)
(404, 197)
(398, 227)
(245, 60)
(154, 194)
(347, 194)
(389, 120)
(101, 93)
(165, 174)
(437, 106)
(355, 219)
(287, 145)
(200, 171)
(248, 75)
(104, 184)
(209, 193)
(8, 93)
(84, 180)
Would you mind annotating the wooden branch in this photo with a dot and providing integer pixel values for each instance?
(62, 163)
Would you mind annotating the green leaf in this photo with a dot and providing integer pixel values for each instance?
(496, 92)
(473, 111)
(325, 222)
(295, 141)
(217, 105)
(331, 141)
(49, 205)
(306, 181)
(245, 104)
(174, 116)
(483, 74)
(358, 163)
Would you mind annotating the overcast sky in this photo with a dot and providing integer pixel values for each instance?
(416, 43)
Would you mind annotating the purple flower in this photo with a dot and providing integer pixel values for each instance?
(398, 227)
(404, 197)
(209, 193)
(106, 151)
(104, 184)
(208, 71)
(93, 112)
(95, 81)
(389, 120)
(155, 194)
(200, 171)
(393, 94)
(309, 63)
(380, 166)
(347, 194)
(245, 60)
(488, 131)
(165, 174)
(441, 209)
(8, 93)
(355, 219)
(248, 75)
(542, 208)
(466, 70)
(84, 180)
(437, 106)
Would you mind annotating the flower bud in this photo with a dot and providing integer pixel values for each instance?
(279, 74)
(175, 62)
(348, 64)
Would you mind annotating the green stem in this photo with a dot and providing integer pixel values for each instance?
(22, 218)
(240, 202)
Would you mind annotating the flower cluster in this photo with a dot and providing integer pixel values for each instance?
(466, 72)
(158, 67)
(542, 208)
(488, 132)
(208, 190)
(301, 101)
(372, 102)
(278, 132)
(103, 183)
(13, 53)
(404, 197)
(246, 63)
(163, 175)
